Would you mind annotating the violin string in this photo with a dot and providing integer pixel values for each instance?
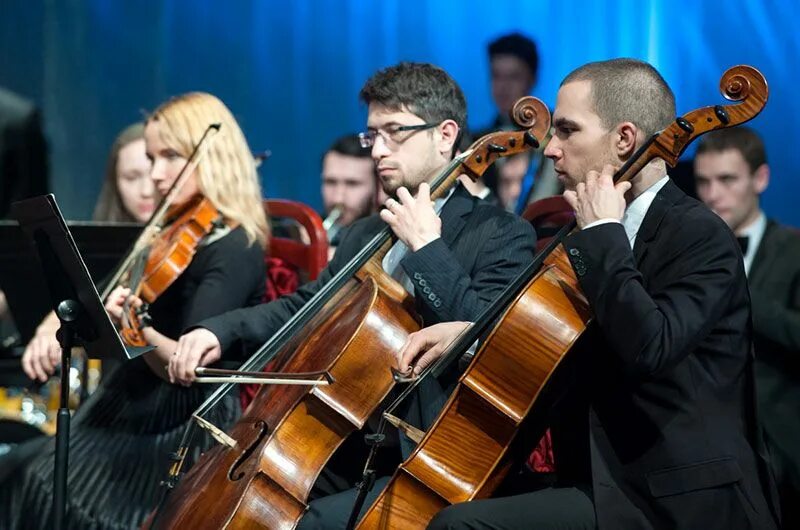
(158, 214)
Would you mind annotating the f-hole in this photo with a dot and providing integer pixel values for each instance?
(234, 474)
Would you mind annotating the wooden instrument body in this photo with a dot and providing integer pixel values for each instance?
(170, 253)
(465, 455)
(174, 250)
(265, 480)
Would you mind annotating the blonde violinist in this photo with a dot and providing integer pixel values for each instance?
(121, 438)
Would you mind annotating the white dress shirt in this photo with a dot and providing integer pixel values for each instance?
(391, 261)
(754, 234)
(635, 211)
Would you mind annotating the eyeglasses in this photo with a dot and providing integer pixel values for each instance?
(391, 135)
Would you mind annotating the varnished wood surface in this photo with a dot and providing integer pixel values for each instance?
(464, 454)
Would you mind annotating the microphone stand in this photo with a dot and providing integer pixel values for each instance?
(367, 481)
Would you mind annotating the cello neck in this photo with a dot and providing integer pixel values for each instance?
(529, 113)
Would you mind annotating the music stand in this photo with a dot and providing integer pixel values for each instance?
(101, 245)
(84, 321)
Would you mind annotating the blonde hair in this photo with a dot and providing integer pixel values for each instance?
(109, 205)
(227, 174)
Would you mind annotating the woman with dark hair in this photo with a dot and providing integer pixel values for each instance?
(127, 193)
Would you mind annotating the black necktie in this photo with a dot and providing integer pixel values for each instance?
(743, 241)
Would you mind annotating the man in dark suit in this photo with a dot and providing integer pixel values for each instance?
(454, 264)
(656, 429)
(731, 173)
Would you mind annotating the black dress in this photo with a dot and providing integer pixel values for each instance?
(122, 436)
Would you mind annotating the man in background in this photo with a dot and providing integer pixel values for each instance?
(731, 173)
(514, 64)
(349, 185)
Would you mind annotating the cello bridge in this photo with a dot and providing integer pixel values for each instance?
(215, 432)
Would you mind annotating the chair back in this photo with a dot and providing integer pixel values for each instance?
(547, 216)
(310, 257)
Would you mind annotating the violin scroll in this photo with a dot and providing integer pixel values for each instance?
(132, 324)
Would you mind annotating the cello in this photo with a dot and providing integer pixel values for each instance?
(261, 474)
(541, 316)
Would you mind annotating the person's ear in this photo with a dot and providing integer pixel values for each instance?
(625, 136)
(448, 132)
(761, 178)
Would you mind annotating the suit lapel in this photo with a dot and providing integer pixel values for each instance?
(454, 213)
(666, 197)
(372, 225)
(765, 254)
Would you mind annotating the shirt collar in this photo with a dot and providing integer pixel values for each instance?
(637, 209)
(754, 233)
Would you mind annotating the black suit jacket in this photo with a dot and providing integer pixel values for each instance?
(775, 292)
(23, 152)
(482, 248)
(667, 412)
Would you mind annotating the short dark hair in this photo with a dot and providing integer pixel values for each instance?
(519, 46)
(349, 145)
(421, 88)
(628, 90)
(742, 139)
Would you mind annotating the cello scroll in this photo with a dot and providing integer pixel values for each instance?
(531, 115)
(740, 83)
(743, 84)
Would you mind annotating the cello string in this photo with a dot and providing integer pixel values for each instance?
(677, 136)
(271, 348)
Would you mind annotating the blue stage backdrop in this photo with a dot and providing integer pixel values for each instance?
(291, 71)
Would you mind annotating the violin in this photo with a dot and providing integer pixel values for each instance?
(165, 247)
(169, 255)
(541, 315)
(261, 474)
